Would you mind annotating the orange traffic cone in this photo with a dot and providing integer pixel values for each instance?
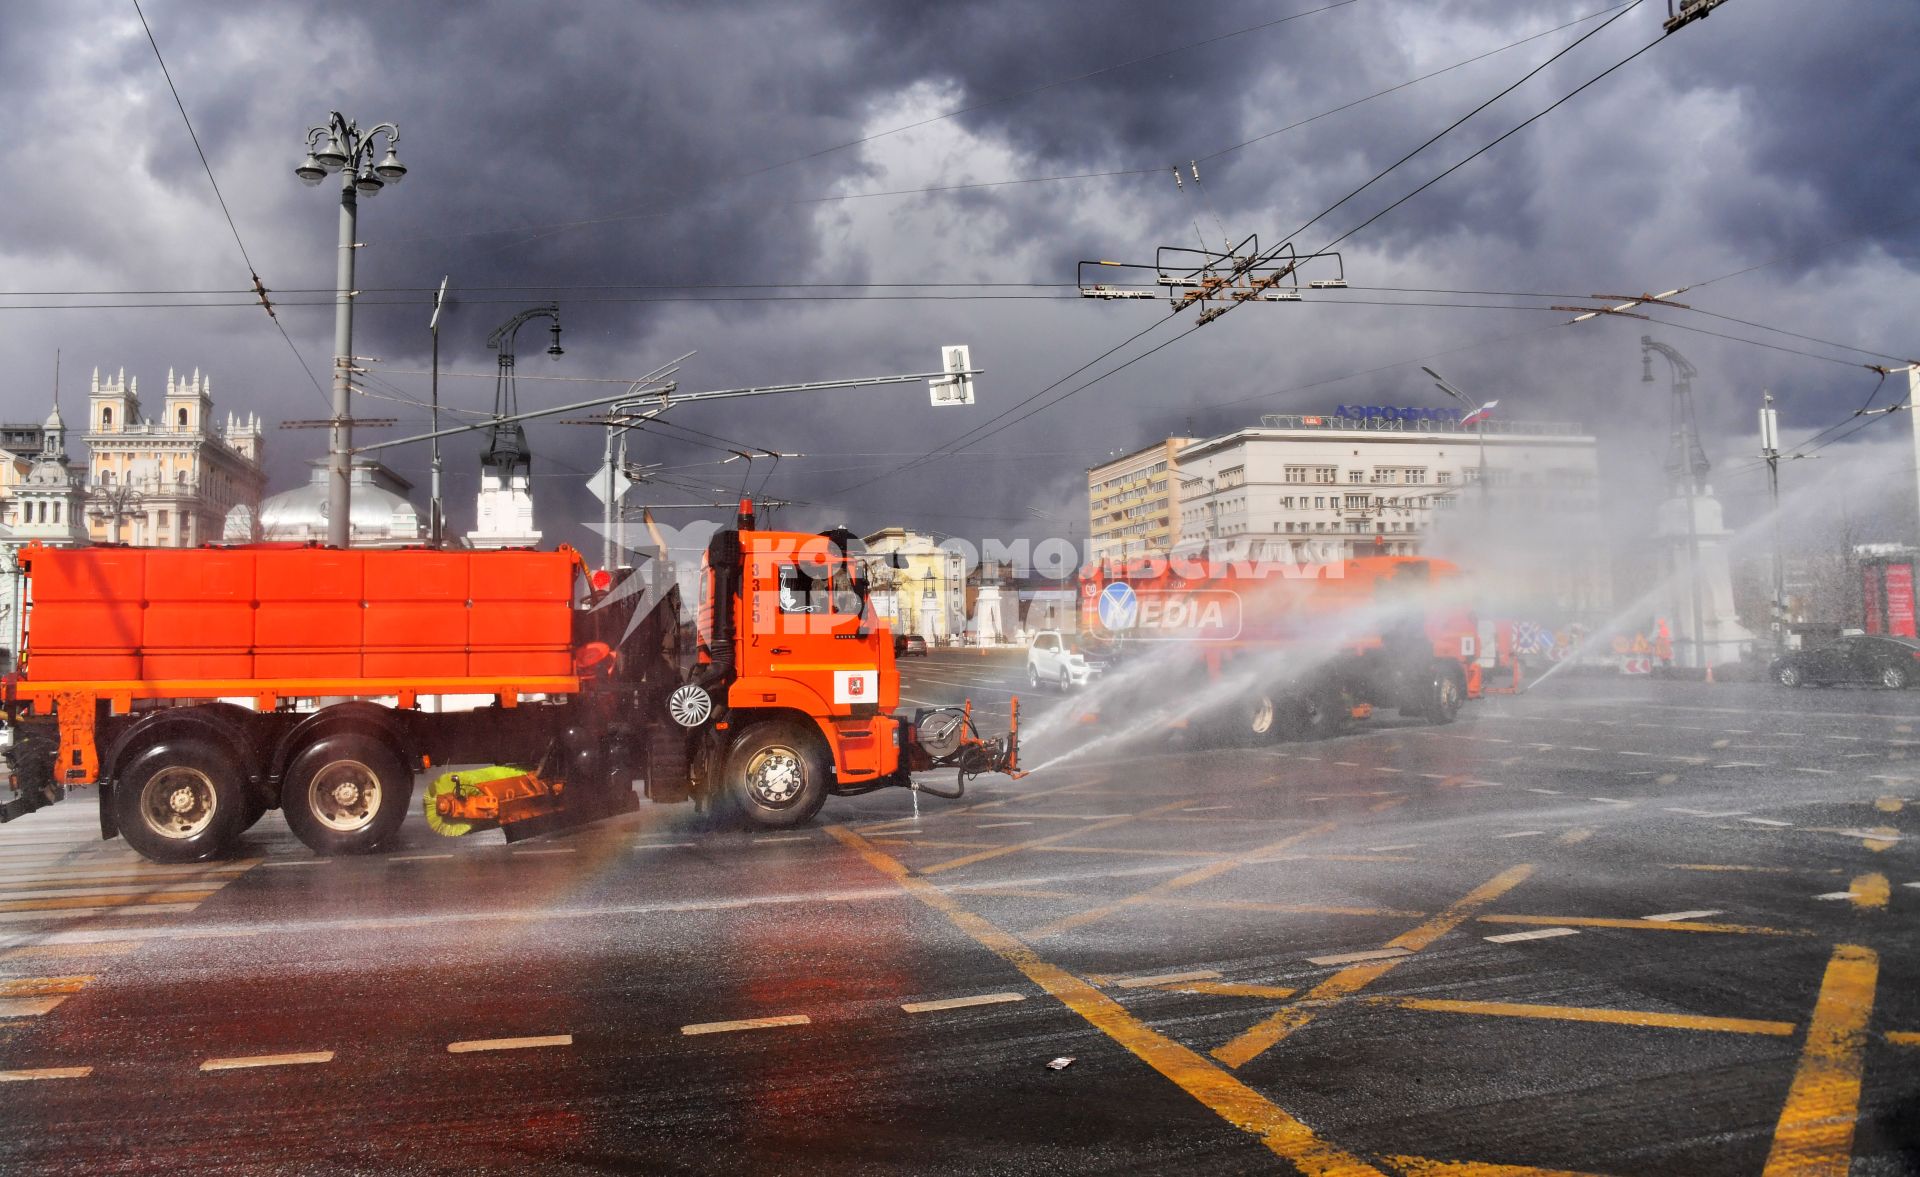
(1709, 672)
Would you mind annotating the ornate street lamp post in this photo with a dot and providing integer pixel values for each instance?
(341, 146)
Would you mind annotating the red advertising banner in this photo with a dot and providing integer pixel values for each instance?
(1900, 600)
(1870, 593)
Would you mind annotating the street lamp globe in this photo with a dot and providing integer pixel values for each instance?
(333, 156)
(390, 169)
(368, 183)
(310, 171)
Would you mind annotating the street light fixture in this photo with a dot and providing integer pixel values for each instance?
(341, 146)
(1440, 382)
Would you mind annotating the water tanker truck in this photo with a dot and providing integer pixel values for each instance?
(1257, 650)
(198, 688)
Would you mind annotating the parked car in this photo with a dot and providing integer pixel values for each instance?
(1060, 660)
(909, 645)
(1886, 661)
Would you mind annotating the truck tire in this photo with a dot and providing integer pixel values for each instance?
(776, 775)
(1327, 711)
(1445, 694)
(180, 801)
(346, 794)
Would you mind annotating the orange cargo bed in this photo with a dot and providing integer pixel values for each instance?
(285, 620)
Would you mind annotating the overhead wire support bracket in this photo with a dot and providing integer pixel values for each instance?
(1688, 12)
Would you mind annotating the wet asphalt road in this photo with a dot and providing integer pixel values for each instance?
(1609, 926)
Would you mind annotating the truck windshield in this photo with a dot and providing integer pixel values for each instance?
(828, 589)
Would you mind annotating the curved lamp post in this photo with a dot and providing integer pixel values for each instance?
(341, 146)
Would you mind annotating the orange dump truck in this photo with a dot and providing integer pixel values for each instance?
(199, 688)
(1263, 649)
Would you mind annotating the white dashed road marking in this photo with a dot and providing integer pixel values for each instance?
(268, 1060)
(1767, 821)
(1536, 934)
(1166, 979)
(480, 1044)
(1672, 916)
(745, 1024)
(927, 1007)
(1356, 957)
(29, 1076)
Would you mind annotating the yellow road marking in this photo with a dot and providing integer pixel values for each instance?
(1250, 1044)
(1017, 892)
(1869, 891)
(480, 1044)
(85, 901)
(29, 1076)
(1903, 1037)
(1574, 837)
(1577, 1013)
(1814, 1137)
(96, 948)
(1383, 806)
(1889, 837)
(1230, 1099)
(1180, 882)
(305, 1058)
(934, 844)
(1015, 848)
(42, 986)
(927, 1007)
(1427, 1167)
(1889, 804)
(1594, 921)
(746, 1024)
(27, 1007)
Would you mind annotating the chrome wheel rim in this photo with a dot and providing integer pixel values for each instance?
(178, 802)
(1891, 677)
(775, 775)
(1789, 676)
(1262, 719)
(344, 795)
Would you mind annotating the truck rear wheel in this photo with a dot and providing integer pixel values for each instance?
(346, 794)
(180, 801)
(776, 775)
(1328, 710)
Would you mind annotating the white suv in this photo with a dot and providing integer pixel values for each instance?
(1056, 659)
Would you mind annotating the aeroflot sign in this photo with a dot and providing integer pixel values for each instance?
(1195, 614)
(1395, 413)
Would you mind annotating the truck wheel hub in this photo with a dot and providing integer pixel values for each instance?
(774, 776)
(178, 802)
(344, 795)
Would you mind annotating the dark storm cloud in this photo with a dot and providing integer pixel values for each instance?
(566, 146)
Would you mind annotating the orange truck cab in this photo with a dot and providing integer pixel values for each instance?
(199, 688)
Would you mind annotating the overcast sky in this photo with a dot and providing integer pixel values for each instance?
(638, 161)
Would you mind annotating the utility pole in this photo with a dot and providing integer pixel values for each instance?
(1913, 412)
(1770, 450)
(436, 510)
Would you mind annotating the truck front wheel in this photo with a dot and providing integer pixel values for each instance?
(1445, 694)
(180, 801)
(346, 794)
(776, 775)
